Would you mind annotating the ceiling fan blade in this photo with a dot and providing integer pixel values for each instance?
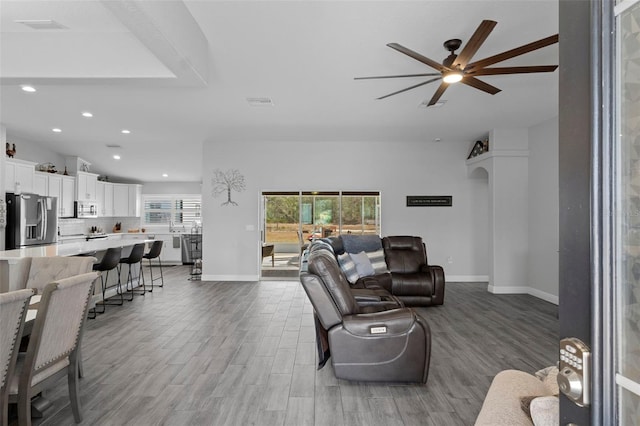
(479, 84)
(474, 43)
(418, 57)
(513, 52)
(398, 76)
(409, 88)
(513, 70)
(436, 96)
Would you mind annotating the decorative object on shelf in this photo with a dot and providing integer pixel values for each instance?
(226, 182)
(479, 147)
(11, 150)
(66, 173)
(84, 166)
(429, 200)
(46, 167)
(117, 227)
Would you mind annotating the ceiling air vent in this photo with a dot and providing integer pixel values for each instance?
(113, 146)
(260, 102)
(41, 24)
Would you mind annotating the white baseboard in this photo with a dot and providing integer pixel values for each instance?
(548, 297)
(229, 278)
(466, 278)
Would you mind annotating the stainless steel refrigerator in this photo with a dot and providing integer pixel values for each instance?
(32, 220)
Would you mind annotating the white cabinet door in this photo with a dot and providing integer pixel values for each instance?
(108, 200)
(86, 186)
(121, 199)
(100, 198)
(54, 189)
(135, 200)
(169, 253)
(41, 183)
(19, 175)
(67, 196)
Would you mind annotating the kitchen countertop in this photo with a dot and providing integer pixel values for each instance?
(71, 248)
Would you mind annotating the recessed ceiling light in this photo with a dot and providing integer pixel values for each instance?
(87, 114)
(116, 157)
(56, 130)
(165, 175)
(125, 131)
(28, 88)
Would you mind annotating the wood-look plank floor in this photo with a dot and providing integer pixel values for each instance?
(229, 353)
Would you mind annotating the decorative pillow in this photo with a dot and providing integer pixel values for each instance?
(324, 244)
(545, 411)
(348, 267)
(377, 261)
(363, 264)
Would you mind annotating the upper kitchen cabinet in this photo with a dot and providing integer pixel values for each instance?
(135, 200)
(86, 186)
(62, 187)
(120, 199)
(105, 199)
(19, 175)
(41, 183)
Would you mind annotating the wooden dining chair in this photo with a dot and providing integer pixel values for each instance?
(13, 309)
(54, 344)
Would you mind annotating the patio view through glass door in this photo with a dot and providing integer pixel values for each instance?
(293, 219)
(627, 222)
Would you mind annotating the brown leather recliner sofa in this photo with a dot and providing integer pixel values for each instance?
(368, 333)
(410, 278)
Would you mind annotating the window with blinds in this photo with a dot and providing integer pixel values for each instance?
(164, 209)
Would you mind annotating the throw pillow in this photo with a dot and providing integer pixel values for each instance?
(363, 264)
(545, 411)
(348, 267)
(377, 261)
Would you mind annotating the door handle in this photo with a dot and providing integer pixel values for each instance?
(574, 378)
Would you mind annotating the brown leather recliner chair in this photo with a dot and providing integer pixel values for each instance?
(413, 280)
(367, 343)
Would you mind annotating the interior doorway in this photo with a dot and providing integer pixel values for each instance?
(291, 220)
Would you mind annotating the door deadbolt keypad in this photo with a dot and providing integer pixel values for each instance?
(575, 368)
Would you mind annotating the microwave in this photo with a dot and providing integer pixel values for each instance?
(85, 209)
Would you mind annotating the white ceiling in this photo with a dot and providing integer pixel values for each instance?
(301, 54)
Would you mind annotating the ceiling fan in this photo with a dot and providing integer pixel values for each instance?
(457, 68)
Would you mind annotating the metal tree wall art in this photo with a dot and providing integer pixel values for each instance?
(226, 182)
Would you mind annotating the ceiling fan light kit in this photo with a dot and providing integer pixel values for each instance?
(458, 68)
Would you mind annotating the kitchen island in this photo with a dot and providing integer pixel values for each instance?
(15, 264)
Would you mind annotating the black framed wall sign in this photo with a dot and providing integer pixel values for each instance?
(429, 200)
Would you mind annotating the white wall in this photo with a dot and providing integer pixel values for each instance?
(543, 210)
(231, 234)
(172, 188)
(33, 151)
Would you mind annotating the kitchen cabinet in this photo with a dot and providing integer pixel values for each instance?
(120, 199)
(19, 175)
(41, 183)
(135, 200)
(62, 187)
(67, 197)
(86, 186)
(105, 199)
(169, 253)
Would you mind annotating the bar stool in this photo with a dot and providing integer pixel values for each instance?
(154, 253)
(134, 257)
(109, 261)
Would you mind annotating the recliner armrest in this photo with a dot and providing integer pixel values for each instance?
(387, 323)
